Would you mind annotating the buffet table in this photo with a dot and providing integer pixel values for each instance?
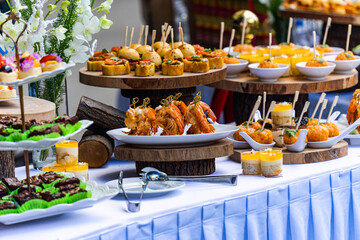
(309, 201)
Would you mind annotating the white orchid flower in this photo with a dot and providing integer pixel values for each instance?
(105, 23)
(18, 6)
(105, 6)
(59, 32)
(77, 52)
(87, 28)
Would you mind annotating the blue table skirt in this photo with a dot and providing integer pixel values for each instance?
(322, 207)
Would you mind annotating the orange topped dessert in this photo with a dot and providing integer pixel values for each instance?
(262, 136)
(286, 44)
(231, 60)
(324, 48)
(243, 48)
(267, 63)
(345, 56)
(317, 62)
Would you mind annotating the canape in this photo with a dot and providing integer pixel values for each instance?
(94, 63)
(215, 61)
(131, 55)
(145, 68)
(196, 64)
(172, 67)
(115, 66)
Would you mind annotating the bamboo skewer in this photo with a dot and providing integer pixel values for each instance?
(167, 34)
(231, 39)
(221, 35)
(264, 105)
(256, 106)
(153, 36)
(336, 98)
(126, 32)
(270, 42)
(243, 31)
(181, 36)
(146, 34)
(272, 105)
(163, 32)
(289, 30)
(131, 36)
(314, 43)
(348, 38)
(321, 99)
(328, 24)
(304, 110)
(141, 33)
(172, 38)
(296, 97)
(321, 111)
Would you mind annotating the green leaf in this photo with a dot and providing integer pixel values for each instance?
(291, 132)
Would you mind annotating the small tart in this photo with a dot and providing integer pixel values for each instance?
(94, 65)
(145, 68)
(33, 71)
(8, 77)
(6, 93)
(172, 67)
(51, 65)
(196, 64)
(115, 66)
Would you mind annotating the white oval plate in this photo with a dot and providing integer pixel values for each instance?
(221, 131)
(132, 186)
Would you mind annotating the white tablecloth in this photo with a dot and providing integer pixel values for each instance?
(309, 201)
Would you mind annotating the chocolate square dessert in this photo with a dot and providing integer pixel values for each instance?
(49, 197)
(50, 177)
(3, 190)
(23, 197)
(7, 205)
(74, 191)
(69, 186)
(12, 183)
(67, 181)
(34, 180)
(23, 188)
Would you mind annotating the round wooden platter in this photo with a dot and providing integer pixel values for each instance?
(244, 83)
(187, 161)
(158, 81)
(35, 108)
(309, 155)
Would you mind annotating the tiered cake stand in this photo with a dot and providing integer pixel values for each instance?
(175, 161)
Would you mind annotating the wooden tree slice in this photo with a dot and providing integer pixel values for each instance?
(287, 85)
(309, 155)
(7, 164)
(158, 81)
(35, 108)
(177, 161)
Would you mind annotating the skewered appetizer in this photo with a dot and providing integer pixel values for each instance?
(317, 133)
(143, 49)
(324, 48)
(198, 49)
(162, 51)
(160, 44)
(7, 92)
(154, 58)
(353, 112)
(8, 72)
(129, 54)
(268, 63)
(141, 120)
(114, 50)
(135, 45)
(345, 56)
(169, 118)
(286, 44)
(174, 54)
(243, 48)
(332, 128)
(243, 128)
(115, 66)
(145, 68)
(50, 62)
(196, 64)
(281, 114)
(231, 60)
(262, 136)
(215, 61)
(172, 67)
(317, 62)
(291, 136)
(311, 121)
(178, 44)
(29, 65)
(220, 52)
(94, 63)
(187, 50)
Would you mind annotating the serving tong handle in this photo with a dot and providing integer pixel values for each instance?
(132, 206)
(230, 179)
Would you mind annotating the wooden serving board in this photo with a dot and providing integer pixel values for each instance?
(35, 108)
(309, 155)
(244, 83)
(158, 81)
(199, 160)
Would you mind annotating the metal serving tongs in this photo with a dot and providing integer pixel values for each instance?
(152, 174)
(132, 206)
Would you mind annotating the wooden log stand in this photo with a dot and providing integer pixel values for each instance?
(188, 161)
(309, 155)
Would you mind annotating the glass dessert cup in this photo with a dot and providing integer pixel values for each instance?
(271, 162)
(250, 163)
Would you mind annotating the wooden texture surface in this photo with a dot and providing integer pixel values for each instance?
(35, 108)
(7, 164)
(217, 149)
(96, 150)
(309, 155)
(158, 81)
(335, 18)
(287, 85)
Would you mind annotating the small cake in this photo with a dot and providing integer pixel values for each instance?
(115, 66)
(8, 72)
(196, 64)
(3, 190)
(172, 67)
(29, 65)
(317, 62)
(215, 61)
(345, 56)
(67, 153)
(250, 163)
(68, 186)
(268, 63)
(50, 62)
(97, 60)
(48, 196)
(12, 183)
(271, 162)
(49, 177)
(34, 180)
(54, 167)
(73, 180)
(7, 92)
(145, 68)
(282, 113)
(23, 197)
(79, 170)
(74, 191)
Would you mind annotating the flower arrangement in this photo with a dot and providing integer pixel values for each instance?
(64, 28)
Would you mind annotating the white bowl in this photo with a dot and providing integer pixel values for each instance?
(235, 54)
(343, 66)
(268, 74)
(315, 73)
(337, 50)
(300, 144)
(255, 145)
(234, 69)
(239, 144)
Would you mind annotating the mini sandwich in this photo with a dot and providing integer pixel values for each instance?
(162, 52)
(8, 72)
(29, 65)
(145, 68)
(50, 62)
(129, 54)
(215, 61)
(154, 58)
(196, 64)
(143, 49)
(187, 50)
(305, 4)
(160, 44)
(7, 92)
(115, 66)
(114, 50)
(172, 67)
(337, 6)
(321, 5)
(174, 54)
(94, 63)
